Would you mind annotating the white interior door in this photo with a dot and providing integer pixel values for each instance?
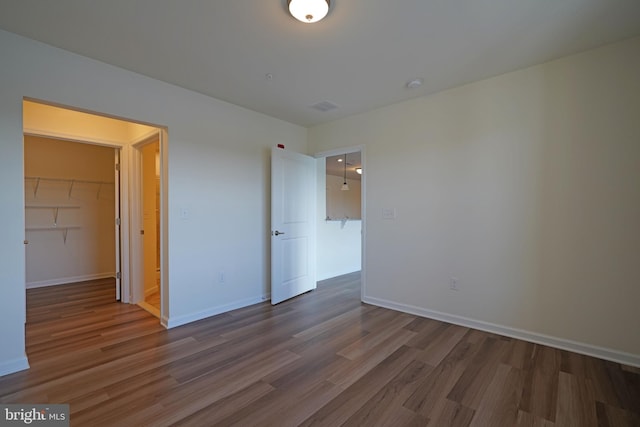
(293, 224)
(150, 255)
(116, 186)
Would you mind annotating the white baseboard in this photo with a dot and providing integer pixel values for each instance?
(150, 291)
(534, 337)
(67, 280)
(172, 322)
(14, 365)
(164, 321)
(149, 308)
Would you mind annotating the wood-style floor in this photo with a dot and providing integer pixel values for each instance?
(154, 300)
(323, 358)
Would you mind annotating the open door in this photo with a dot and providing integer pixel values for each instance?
(293, 224)
(150, 223)
(116, 186)
(146, 214)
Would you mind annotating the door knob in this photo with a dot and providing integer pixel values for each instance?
(277, 233)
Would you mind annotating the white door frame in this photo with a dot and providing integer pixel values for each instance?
(347, 150)
(136, 284)
(137, 262)
(129, 253)
(125, 155)
(118, 223)
(137, 291)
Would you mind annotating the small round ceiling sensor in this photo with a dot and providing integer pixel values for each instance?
(414, 84)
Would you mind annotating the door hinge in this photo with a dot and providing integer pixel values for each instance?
(118, 275)
(117, 166)
(117, 221)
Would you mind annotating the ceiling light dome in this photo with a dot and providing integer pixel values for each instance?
(309, 11)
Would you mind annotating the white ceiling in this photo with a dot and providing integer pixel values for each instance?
(358, 58)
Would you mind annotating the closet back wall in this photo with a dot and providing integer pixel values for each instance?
(86, 250)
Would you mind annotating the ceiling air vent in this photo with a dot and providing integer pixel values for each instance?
(324, 106)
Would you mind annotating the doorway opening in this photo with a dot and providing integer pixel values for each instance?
(341, 213)
(70, 201)
(149, 201)
(58, 222)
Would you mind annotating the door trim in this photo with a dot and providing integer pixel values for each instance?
(363, 206)
(124, 149)
(137, 286)
(127, 171)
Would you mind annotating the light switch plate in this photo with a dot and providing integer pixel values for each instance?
(388, 213)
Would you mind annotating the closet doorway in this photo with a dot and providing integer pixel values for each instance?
(65, 220)
(70, 203)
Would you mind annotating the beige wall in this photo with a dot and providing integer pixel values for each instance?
(525, 187)
(89, 251)
(66, 123)
(73, 125)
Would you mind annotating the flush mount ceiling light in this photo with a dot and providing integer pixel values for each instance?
(309, 11)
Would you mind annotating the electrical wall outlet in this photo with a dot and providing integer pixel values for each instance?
(184, 213)
(453, 284)
(221, 277)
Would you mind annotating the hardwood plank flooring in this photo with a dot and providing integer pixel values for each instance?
(321, 359)
(154, 300)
